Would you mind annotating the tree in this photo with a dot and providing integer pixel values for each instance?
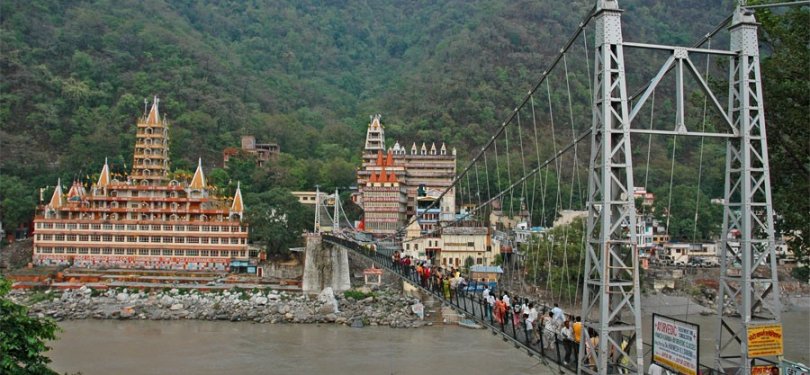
(276, 220)
(787, 99)
(554, 259)
(22, 338)
(17, 202)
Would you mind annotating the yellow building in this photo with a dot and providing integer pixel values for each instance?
(460, 243)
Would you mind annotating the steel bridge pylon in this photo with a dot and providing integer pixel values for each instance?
(749, 287)
(611, 298)
(749, 291)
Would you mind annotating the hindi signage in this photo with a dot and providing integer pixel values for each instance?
(764, 340)
(676, 344)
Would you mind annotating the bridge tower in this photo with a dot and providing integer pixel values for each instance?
(611, 299)
(749, 288)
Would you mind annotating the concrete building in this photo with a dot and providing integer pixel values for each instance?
(431, 168)
(460, 243)
(263, 152)
(146, 221)
(384, 198)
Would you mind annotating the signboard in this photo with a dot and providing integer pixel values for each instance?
(764, 340)
(675, 344)
(793, 368)
(765, 370)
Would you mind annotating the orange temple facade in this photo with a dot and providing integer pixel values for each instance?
(147, 221)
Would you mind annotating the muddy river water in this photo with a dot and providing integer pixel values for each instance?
(204, 347)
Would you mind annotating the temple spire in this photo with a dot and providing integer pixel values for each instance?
(104, 177)
(56, 199)
(238, 206)
(198, 181)
(375, 134)
(154, 116)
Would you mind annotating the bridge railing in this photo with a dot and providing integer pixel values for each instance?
(539, 342)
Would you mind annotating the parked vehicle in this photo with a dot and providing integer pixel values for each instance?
(696, 262)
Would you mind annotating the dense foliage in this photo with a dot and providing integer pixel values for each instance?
(22, 338)
(787, 94)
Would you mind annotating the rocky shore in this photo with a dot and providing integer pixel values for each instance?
(379, 308)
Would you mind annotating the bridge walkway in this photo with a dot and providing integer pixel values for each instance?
(468, 300)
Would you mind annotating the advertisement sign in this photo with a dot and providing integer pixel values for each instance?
(765, 370)
(793, 368)
(764, 340)
(676, 344)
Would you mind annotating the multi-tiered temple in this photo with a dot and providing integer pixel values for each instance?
(423, 173)
(147, 221)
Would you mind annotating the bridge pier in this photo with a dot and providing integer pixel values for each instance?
(325, 265)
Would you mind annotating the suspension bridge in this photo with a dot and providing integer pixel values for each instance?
(565, 147)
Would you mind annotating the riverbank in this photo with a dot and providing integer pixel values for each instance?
(384, 307)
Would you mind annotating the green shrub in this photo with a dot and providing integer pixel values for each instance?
(358, 295)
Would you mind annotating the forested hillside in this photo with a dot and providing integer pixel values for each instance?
(305, 74)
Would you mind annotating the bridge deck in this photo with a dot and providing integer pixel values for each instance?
(469, 301)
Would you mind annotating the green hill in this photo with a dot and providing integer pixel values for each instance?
(305, 74)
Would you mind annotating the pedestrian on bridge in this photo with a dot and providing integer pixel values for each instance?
(500, 311)
(568, 340)
(395, 260)
(559, 314)
(406, 265)
(489, 301)
(551, 330)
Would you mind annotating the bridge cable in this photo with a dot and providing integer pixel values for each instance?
(649, 140)
(590, 97)
(509, 119)
(574, 174)
(702, 140)
(671, 179)
(558, 196)
(534, 190)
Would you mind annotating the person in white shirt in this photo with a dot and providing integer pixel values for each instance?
(505, 299)
(551, 330)
(558, 313)
(490, 303)
(655, 369)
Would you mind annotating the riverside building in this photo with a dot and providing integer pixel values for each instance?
(146, 221)
(420, 169)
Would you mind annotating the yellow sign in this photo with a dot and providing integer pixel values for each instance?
(765, 340)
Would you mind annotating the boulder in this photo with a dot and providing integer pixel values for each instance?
(327, 308)
(261, 301)
(126, 312)
(166, 301)
(327, 298)
(122, 297)
(176, 306)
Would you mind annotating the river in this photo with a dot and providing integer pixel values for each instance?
(205, 347)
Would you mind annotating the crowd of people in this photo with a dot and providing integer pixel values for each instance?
(538, 326)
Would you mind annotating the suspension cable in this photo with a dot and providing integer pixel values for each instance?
(702, 140)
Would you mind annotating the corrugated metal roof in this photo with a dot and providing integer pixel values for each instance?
(491, 269)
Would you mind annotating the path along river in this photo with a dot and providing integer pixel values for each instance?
(204, 347)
